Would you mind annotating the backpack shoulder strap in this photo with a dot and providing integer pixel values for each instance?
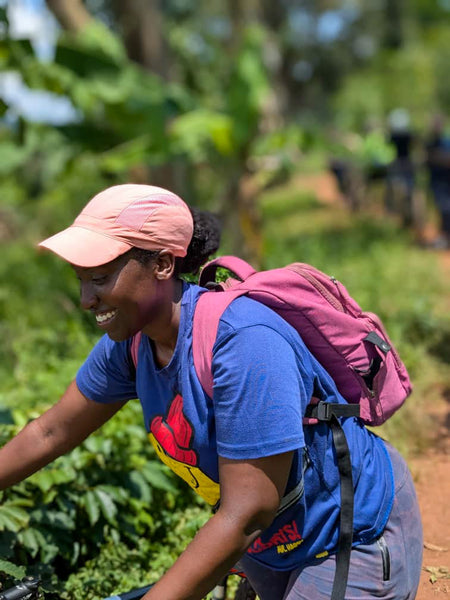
(134, 348)
(236, 265)
(209, 309)
(207, 316)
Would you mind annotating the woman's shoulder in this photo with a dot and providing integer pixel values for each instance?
(108, 352)
(246, 312)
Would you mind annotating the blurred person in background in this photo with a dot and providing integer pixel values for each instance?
(400, 177)
(438, 164)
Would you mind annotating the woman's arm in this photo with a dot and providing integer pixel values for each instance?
(55, 432)
(251, 492)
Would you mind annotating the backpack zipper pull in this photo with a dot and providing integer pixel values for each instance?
(339, 291)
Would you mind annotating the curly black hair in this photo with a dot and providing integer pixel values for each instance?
(205, 242)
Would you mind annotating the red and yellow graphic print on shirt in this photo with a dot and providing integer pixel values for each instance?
(172, 436)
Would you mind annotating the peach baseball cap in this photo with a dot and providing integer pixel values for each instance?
(122, 217)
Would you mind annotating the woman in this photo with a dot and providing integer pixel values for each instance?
(246, 446)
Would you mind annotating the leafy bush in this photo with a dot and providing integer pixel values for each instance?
(119, 567)
(110, 490)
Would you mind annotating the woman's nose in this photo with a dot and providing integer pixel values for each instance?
(88, 299)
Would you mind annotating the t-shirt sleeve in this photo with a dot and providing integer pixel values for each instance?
(108, 374)
(259, 395)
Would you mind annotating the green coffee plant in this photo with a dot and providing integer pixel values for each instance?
(111, 488)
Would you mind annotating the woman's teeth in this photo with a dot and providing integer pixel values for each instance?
(105, 316)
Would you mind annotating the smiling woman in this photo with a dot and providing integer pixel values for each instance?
(242, 446)
(126, 247)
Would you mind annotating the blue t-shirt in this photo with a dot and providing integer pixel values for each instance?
(264, 377)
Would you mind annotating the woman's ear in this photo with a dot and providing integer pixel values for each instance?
(164, 265)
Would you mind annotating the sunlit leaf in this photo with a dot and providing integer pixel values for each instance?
(107, 505)
(12, 518)
(11, 569)
(49, 477)
(121, 158)
(199, 130)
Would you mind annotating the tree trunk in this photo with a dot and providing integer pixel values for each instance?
(141, 27)
(241, 217)
(394, 15)
(72, 15)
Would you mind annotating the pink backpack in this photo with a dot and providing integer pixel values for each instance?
(352, 345)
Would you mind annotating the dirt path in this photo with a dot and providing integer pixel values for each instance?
(431, 471)
(432, 477)
(431, 474)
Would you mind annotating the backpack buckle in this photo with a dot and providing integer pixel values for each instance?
(324, 411)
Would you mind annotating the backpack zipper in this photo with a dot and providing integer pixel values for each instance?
(320, 288)
(385, 557)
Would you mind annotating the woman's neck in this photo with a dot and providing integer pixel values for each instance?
(164, 337)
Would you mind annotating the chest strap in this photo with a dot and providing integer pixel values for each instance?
(329, 413)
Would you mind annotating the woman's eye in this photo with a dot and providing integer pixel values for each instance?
(99, 280)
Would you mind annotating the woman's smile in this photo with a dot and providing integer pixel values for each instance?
(105, 317)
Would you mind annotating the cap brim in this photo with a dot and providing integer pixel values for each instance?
(85, 248)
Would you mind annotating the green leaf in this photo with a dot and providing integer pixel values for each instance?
(118, 494)
(4, 15)
(124, 156)
(85, 62)
(12, 517)
(32, 539)
(155, 474)
(20, 49)
(48, 553)
(139, 481)
(47, 478)
(198, 130)
(48, 76)
(91, 504)
(107, 505)
(56, 519)
(98, 40)
(98, 445)
(11, 569)
(20, 417)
